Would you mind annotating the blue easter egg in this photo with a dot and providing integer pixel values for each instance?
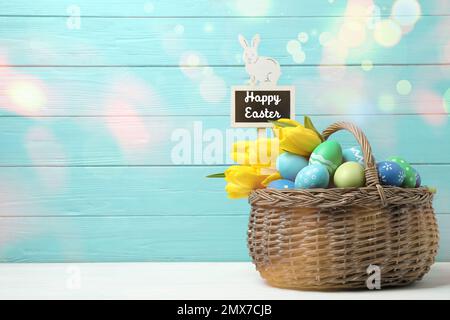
(313, 176)
(281, 184)
(390, 173)
(353, 154)
(418, 178)
(289, 165)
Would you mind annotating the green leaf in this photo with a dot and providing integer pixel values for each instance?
(281, 124)
(309, 125)
(216, 175)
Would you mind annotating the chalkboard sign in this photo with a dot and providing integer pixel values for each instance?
(256, 106)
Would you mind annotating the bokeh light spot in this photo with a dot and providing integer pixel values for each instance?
(303, 37)
(192, 60)
(253, 7)
(132, 132)
(27, 95)
(374, 14)
(352, 34)
(386, 102)
(325, 38)
(387, 33)
(149, 7)
(367, 65)
(431, 106)
(404, 87)
(299, 57)
(189, 64)
(406, 12)
(179, 29)
(293, 46)
(447, 101)
(335, 53)
(208, 27)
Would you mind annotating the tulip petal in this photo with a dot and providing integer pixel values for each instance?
(242, 180)
(272, 177)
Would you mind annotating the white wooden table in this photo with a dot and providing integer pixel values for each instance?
(181, 281)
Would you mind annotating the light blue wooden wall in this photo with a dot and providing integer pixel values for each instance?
(87, 114)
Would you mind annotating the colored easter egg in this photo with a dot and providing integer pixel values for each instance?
(329, 154)
(353, 154)
(312, 176)
(289, 165)
(390, 173)
(418, 179)
(281, 184)
(349, 175)
(410, 174)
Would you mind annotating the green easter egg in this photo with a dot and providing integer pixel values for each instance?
(410, 174)
(329, 154)
(349, 175)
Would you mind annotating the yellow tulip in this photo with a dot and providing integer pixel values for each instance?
(259, 153)
(274, 176)
(298, 139)
(241, 180)
(290, 122)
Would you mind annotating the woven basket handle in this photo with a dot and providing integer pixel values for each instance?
(370, 170)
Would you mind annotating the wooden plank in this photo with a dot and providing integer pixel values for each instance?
(120, 191)
(157, 8)
(103, 239)
(136, 140)
(208, 41)
(175, 9)
(72, 91)
(444, 240)
(136, 191)
(128, 239)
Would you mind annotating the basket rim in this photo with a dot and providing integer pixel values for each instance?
(371, 196)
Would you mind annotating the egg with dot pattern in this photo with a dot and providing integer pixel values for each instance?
(390, 173)
(312, 176)
(281, 184)
(410, 174)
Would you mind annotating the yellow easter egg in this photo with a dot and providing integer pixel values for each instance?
(349, 175)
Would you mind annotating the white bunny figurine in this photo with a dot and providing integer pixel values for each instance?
(262, 70)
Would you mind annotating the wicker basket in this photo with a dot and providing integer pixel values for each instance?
(324, 239)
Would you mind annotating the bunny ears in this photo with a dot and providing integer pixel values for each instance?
(244, 44)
